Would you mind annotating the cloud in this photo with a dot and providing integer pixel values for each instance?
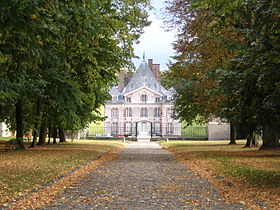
(156, 43)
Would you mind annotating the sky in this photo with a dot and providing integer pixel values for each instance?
(155, 42)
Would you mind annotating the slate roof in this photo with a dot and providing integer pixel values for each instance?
(144, 78)
(114, 92)
(171, 92)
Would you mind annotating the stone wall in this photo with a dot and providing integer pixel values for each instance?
(218, 131)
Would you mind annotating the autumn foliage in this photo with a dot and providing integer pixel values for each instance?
(34, 170)
(225, 65)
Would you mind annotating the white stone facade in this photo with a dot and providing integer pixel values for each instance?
(4, 131)
(143, 107)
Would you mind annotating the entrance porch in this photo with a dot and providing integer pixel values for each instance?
(144, 129)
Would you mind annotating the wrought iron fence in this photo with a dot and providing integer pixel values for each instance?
(176, 133)
(194, 133)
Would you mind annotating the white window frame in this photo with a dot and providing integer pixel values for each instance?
(114, 128)
(144, 98)
(157, 112)
(128, 112)
(157, 127)
(169, 128)
(169, 112)
(115, 113)
(128, 127)
(144, 112)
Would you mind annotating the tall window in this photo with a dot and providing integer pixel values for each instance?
(144, 98)
(157, 112)
(144, 112)
(115, 113)
(169, 113)
(169, 128)
(128, 112)
(157, 127)
(128, 128)
(114, 128)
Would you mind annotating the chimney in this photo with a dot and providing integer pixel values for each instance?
(150, 64)
(121, 80)
(129, 76)
(156, 71)
(155, 68)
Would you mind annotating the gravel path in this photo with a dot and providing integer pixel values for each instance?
(143, 177)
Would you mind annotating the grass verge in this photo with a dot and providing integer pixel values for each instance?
(22, 171)
(249, 172)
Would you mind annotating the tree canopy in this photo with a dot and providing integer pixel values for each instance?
(227, 62)
(58, 59)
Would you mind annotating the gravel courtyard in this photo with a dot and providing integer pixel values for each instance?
(144, 176)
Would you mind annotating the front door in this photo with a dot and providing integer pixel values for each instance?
(143, 128)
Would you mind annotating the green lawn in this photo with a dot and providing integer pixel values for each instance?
(249, 165)
(22, 171)
(254, 173)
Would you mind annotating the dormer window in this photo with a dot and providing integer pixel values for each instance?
(144, 98)
(157, 99)
(128, 99)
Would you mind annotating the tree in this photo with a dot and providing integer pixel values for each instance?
(20, 57)
(254, 71)
(58, 59)
(201, 56)
(227, 56)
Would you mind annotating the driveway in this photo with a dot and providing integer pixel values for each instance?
(144, 176)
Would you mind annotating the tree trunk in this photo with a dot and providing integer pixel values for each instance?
(54, 133)
(61, 135)
(43, 134)
(35, 135)
(256, 139)
(270, 138)
(72, 136)
(250, 137)
(19, 126)
(49, 133)
(232, 134)
(36, 127)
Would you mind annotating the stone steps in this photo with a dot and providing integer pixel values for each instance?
(143, 138)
